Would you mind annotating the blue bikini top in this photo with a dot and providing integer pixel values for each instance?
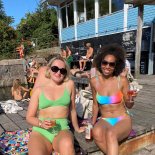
(114, 99)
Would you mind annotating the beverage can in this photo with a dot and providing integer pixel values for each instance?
(88, 132)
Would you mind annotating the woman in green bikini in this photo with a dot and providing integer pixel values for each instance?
(48, 112)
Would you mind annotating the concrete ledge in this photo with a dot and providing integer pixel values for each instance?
(11, 69)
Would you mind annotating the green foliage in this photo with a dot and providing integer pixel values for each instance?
(7, 34)
(39, 27)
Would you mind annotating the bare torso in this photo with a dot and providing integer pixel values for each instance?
(41, 79)
(17, 94)
(104, 89)
(89, 53)
(54, 112)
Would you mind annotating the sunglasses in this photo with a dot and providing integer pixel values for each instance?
(111, 64)
(55, 69)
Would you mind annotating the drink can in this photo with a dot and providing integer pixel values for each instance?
(88, 133)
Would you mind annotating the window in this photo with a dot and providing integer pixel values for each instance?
(63, 15)
(86, 10)
(117, 5)
(103, 7)
(80, 11)
(90, 9)
(70, 14)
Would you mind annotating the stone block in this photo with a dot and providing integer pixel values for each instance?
(11, 69)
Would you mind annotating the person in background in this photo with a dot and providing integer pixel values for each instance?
(18, 92)
(63, 53)
(33, 73)
(127, 71)
(49, 110)
(41, 79)
(78, 73)
(110, 97)
(20, 50)
(89, 55)
(69, 57)
(32, 63)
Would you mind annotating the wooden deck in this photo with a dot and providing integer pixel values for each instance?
(143, 118)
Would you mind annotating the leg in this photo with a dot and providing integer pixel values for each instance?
(84, 64)
(80, 63)
(99, 132)
(117, 133)
(64, 143)
(39, 145)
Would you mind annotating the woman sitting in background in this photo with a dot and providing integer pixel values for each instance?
(69, 57)
(18, 92)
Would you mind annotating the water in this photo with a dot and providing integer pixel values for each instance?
(5, 93)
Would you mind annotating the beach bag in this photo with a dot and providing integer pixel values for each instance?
(84, 104)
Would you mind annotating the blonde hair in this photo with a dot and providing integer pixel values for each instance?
(58, 57)
(16, 84)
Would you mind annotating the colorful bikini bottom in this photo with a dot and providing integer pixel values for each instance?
(114, 120)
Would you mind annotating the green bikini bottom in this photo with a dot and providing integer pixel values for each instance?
(61, 124)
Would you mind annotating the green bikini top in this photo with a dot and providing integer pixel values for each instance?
(64, 100)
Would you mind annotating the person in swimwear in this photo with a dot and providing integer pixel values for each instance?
(110, 98)
(88, 57)
(49, 110)
(18, 92)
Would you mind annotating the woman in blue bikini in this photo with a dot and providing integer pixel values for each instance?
(111, 99)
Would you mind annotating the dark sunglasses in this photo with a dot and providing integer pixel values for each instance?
(55, 69)
(111, 64)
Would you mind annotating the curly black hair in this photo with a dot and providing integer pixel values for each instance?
(112, 49)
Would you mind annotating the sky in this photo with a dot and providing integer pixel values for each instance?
(18, 8)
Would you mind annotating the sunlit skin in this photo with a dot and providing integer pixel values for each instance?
(20, 92)
(107, 71)
(105, 135)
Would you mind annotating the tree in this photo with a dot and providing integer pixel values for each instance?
(40, 26)
(7, 33)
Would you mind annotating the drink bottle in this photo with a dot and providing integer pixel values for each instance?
(88, 131)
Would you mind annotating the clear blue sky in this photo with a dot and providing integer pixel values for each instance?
(18, 8)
